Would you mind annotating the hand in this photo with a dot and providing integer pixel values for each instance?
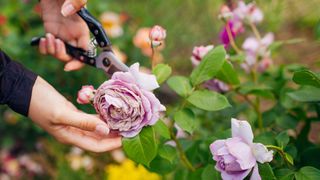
(52, 112)
(71, 29)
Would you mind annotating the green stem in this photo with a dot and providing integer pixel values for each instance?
(255, 31)
(280, 151)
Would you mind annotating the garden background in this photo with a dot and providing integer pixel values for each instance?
(189, 23)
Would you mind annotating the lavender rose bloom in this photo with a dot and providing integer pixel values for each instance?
(237, 156)
(126, 103)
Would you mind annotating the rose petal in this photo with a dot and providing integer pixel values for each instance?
(242, 129)
(145, 81)
(255, 173)
(235, 176)
(241, 151)
(261, 153)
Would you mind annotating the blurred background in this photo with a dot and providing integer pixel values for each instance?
(28, 152)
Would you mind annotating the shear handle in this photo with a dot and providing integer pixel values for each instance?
(95, 28)
(75, 52)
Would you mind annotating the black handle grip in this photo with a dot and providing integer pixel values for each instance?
(95, 28)
(75, 52)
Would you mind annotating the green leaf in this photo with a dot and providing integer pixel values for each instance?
(306, 94)
(185, 120)
(210, 65)
(141, 148)
(210, 173)
(284, 174)
(228, 74)
(306, 77)
(239, 58)
(288, 158)
(168, 152)
(282, 139)
(265, 92)
(208, 100)
(266, 172)
(162, 72)
(308, 173)
(161, 128)
(180, 84)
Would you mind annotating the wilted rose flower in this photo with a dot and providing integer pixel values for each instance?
(216, 85)
(126, 103)
(237, 156)
(248, 12)
(85, 95)
(112, 23)
(157, 35)
(199, 52)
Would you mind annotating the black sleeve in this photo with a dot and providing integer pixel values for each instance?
(16, 83)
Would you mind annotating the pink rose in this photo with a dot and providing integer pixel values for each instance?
(157, 35)
(199, 52)
(85, 95)
(237, 156)
(126, 103)
(248, 12)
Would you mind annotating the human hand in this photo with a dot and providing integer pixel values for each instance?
(71, 29)
(52, 112)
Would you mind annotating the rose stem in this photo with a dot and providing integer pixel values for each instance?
(231, 39)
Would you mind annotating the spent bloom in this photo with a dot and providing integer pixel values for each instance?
(112, 23)
(126, 103)
(157, 35)
(216, 85)
(85, 95)
(238, 155)
(248, 12)
(199, 52)
(256, 49)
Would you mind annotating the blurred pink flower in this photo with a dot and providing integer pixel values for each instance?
(225, 13)
(236, 27)
(126, 103)
(142, 41)
(157, 35)
(112, 23)
(248, 12)
(85, 95)
(237, 156)
(200, 52)
(256, 49)
(264, 64)
(216, 85)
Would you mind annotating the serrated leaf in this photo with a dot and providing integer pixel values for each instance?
(308, 173)
(141, 148)
(266, 172)
(306, 77)
(168, 152)
(208, 100)
(162, 72)
(161, 128)
(228, 74)
(282, 139)
(180, 84)
(306, 94)
(185, 119)
(209, 66)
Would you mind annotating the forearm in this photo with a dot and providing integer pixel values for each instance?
(16, 83)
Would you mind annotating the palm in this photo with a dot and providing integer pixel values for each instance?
(70, 29)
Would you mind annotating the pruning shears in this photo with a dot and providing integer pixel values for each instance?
(106, 59)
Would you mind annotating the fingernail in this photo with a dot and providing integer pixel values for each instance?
(67, 9)
(102, 129)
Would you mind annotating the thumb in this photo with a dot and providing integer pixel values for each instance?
(87, 122)
(70, 7)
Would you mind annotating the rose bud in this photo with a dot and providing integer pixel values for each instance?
(126, 103)
(157, 35)
(85, 95)
(199, 52)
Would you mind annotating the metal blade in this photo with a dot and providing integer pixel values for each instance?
(109, 63)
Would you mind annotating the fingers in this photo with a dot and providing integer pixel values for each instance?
(73, 65)
(89, 141)
(83, 121)
(70, 7)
